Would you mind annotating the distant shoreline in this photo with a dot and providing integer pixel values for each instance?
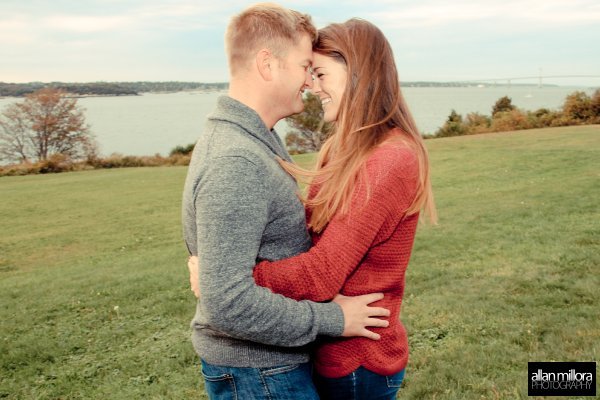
(89, 89)
(113, 89)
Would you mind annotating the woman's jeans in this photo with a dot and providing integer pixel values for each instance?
(287, 382)
(361, 384)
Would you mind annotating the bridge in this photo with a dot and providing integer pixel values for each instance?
(539, 77)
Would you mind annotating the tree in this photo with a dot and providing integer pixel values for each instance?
(309, 130)
(453, 126)
(183, 150)
(502, 104)
(47, 122)
(596, 107)
(579, 108)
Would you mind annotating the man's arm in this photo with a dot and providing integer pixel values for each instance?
(231, 214)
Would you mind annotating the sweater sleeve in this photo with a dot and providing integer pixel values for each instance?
(320, 273)
(232, 210)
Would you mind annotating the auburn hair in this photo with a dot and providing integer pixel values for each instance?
(264, 25)
(371, 106)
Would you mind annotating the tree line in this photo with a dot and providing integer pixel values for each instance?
(578, 109)
(107, 88)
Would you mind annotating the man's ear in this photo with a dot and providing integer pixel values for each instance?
(265, 63)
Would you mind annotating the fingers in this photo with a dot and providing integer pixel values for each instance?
(377, 323)
(374, 323)
(193, 269)
(371, 298)
(370, 335)
(378, 312)
(359, 315)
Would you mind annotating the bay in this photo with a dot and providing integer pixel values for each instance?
(155, 123)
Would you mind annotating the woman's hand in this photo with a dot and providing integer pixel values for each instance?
(194, 275)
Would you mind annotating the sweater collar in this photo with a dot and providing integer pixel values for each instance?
(235, 112)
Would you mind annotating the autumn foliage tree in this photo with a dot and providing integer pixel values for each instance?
(454, 126)
(46, 123)
(503, 104)
(309, 131)
(579, 108)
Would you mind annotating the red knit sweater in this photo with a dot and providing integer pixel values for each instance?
(364, 252)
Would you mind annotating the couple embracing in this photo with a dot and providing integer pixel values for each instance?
(300, 297)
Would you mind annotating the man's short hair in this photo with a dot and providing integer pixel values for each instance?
(264, 25)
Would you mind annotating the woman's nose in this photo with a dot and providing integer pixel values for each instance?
(316, 86)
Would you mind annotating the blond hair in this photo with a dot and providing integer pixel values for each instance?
(264, 25)
(372, 105)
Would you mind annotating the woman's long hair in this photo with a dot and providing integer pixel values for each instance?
(371, 106)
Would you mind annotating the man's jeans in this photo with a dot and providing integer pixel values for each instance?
(287, 382)
(361, 384)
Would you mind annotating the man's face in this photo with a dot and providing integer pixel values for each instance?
(293, 77)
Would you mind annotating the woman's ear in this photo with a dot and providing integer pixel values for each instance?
(265, 64)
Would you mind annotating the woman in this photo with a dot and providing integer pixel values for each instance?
(370, 184)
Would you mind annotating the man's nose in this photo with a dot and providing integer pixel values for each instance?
(308, 82)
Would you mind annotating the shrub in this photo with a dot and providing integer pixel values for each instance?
(453, 126)
(20, 169)
(179, 159)
(477, 123)
(56, 163)
(510, 121)
(543, 118)
(182, 150)
(596, 107)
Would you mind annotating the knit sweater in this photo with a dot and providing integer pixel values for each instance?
(365, 251)
(240, 206)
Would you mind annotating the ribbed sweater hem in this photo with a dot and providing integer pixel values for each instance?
(385, 369)
(231, 352)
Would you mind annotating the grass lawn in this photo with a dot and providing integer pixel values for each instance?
(95, 304)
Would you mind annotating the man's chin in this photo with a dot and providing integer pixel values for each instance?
(299, 108)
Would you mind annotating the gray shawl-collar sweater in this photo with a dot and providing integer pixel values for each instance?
(240, 207)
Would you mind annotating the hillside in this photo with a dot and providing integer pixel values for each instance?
(95, 294)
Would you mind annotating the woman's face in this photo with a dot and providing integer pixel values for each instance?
(329, 85)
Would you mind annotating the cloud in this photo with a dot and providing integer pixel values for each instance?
(85, 23)
(539, 12)
(182, 16)
(182, 39)
(14, 31)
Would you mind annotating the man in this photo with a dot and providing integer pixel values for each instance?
(239, 206)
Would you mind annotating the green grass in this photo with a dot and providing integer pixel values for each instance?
(95, 303)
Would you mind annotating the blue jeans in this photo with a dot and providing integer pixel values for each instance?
(287, 382)
(361, 384)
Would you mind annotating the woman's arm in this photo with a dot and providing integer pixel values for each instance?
(320, 273)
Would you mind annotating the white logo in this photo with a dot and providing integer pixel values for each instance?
(561, 380)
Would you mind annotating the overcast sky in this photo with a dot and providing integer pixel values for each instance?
(182, 40)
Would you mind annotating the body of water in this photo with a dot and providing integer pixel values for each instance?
(156, 123)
